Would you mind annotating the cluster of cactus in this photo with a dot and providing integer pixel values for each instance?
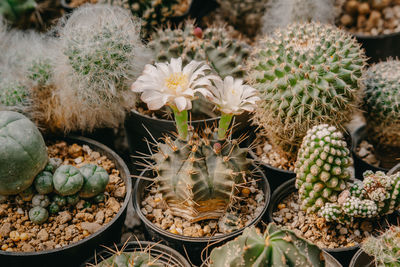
(128, 259)
(307, 74)
(385, 248)
(226, 55)
(198, 177)
(13, 10)
(276, 247)
(13, 95)
(280, 13)
(381, 104)
(66, 184)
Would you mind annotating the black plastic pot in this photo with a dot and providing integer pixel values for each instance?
(162, 253)
(360, 166)
(190, 246)
(343, 255)
(74, 254)
(379, 48)
(362, 259)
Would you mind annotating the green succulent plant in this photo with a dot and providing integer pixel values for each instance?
(67, 180)
(128, 259)
(60, 201)
(95, 180)
(38, 215)
(307, 74)
(276, 247)
(41, 201)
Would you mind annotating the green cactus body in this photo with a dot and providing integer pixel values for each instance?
(54, 208)
(95, 180)
(44, 182)
(131, 259)
(276, 247)
(198, 177)
(23, 153)
(385, 248)
(60, 200)
(14, 9)
(73, 199)
(27, 194)
(307, 74)
(321, 167)
(38, 215)
(13, 95)
(41, 201)
(67, 180)
(382, 109)
(226, 55)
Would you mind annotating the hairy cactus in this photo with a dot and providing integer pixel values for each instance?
(307, 74)
(67, 180)
(276, 247)
(95, 180)
(198, 177)
(280, 13)
(321, 167)
(385, 248)
(382, 110)
(13, 95)
(13, 10)
(223, 53)
(102, 54)
(41, 201)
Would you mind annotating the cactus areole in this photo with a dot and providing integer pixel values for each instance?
(23, 153)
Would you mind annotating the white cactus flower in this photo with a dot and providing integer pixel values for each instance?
(169, 84)
(232, 96)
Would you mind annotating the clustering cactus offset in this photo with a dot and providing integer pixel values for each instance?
(38, 215)
(276, 247)
(307, 74)
(95, 180)
(385, 248)
(67, 180)
(382, 110)
(226, 55)
(322, 167)
(41, 201)
(44, 183)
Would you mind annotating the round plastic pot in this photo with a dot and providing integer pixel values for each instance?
(190, 246)
(343, 255)
(360, 165)
(379, 48)
(75, 253)
(164, 255)
(362, 259)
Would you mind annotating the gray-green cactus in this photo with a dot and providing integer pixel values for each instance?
(67, 180)
(41, 201)
(38, 215)
(307, 74)
(13, 10)
(276, 247)
(95, 180)
(128, 259)
(44, 182)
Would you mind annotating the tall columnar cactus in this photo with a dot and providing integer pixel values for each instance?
(382, 109)
(280, 13)
(101, 55)
(13, 10)
(307, 74)
(385, 248)
(321, 167)
(226, 55)
(276, 247)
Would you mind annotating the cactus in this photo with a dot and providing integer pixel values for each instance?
(23, 153)
(276, 247)
(73, 199)
(27, 194)
(95, 180)
(13, 95)
(307, 74)
(59, 200)
(38, 215)
(44, 183)
(101, 55)
(281, 13)
(198, 177)
(54, 208)
(53, 164)
(226, 55)
(382, 110)
(321, 167)
(385, 248)
(127, 259)
(41, 201)
(67, 180)
(13, 10)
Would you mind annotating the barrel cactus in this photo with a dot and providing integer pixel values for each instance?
(60, 201)
(307, 74)
(67, 180)
(322, 167)
(127, 259)
(23, 153)
(95, 180)
(38, 215)
(276, 247)
(382, 110)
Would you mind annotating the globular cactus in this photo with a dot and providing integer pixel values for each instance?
(281, 13)
(226, 55)
(13, 10)
(276, 247)
(95, 180)
(67, 180)
(41, 201)
(307, 74)
(14, 95)
(381, 104)
(128, 259)
(38, 215)
(384, 248)
(44, 183)
(198, 177)
(102, 53)
(322, 167)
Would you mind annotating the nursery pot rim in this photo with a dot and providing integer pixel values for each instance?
(290, 186)
(144, 244)
(172, 121)
(356, 256)
(128, 186)
(136, 202)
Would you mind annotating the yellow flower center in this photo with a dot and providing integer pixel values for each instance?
(175, 80)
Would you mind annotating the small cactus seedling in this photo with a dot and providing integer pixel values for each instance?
(41, 201)
(44, 183)
(38, 215)
(385, 248)
(276, 247)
